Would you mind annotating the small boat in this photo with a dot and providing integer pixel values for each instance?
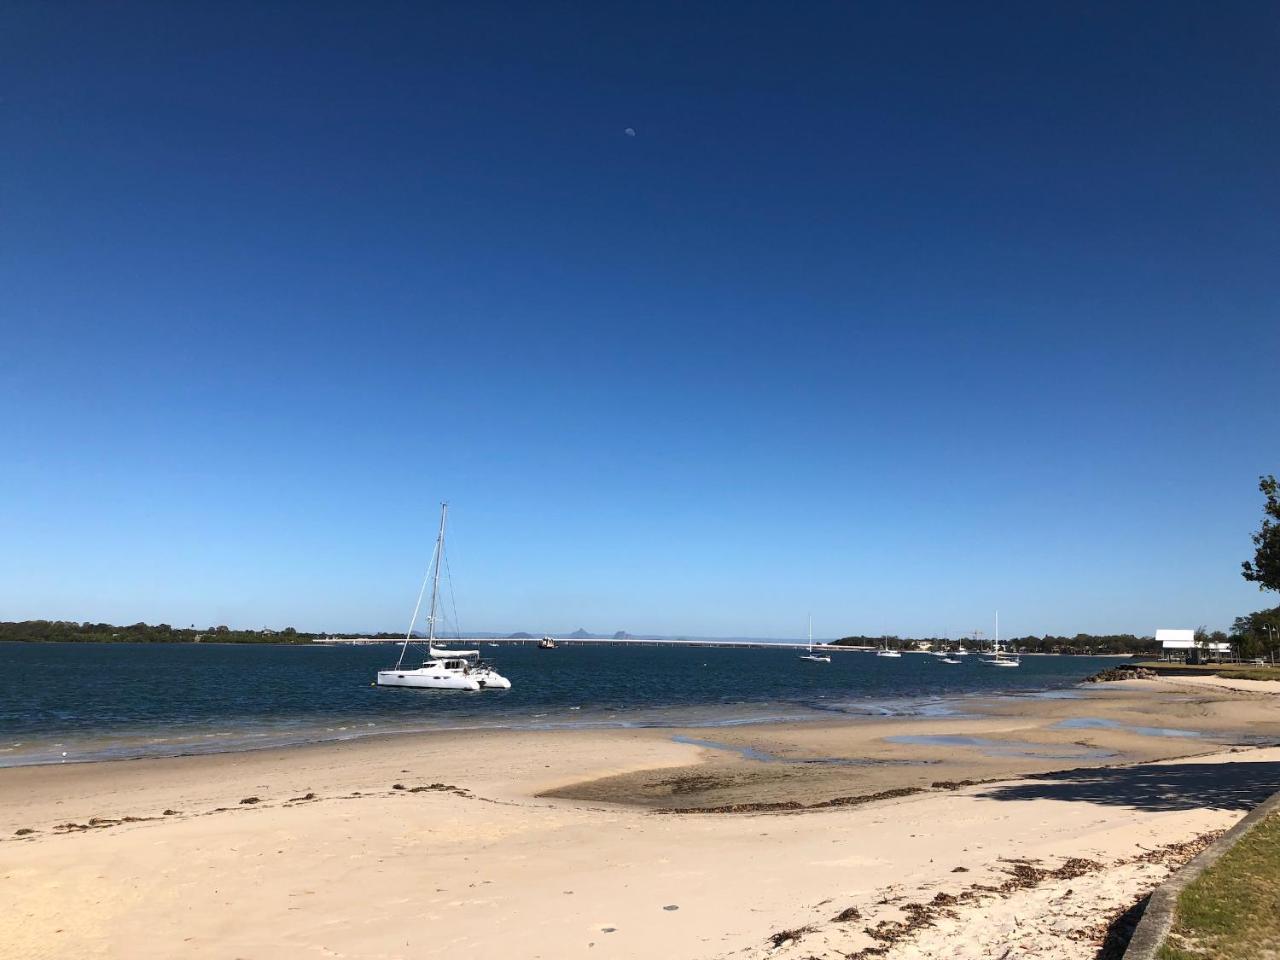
(443, 669)
(885, 651)
(546, 643)
(1001, 659)
(811, 656)
(949, 659)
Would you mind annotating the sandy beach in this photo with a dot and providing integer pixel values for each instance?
(1016, 827)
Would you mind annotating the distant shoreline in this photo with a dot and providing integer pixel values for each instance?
(595, 642)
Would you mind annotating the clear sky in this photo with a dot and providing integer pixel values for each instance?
(702, 316)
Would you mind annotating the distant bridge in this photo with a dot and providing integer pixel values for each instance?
(606, 642)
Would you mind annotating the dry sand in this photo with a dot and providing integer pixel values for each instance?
(552, 844)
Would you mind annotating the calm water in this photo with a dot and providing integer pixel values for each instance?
(96, 701)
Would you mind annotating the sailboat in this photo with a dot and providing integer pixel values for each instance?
(443, 669)
(811, 656)
(1001, 659)
(886, 651)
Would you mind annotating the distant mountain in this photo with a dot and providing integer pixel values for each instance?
(520, 636)
(580, 634)
(622, 635)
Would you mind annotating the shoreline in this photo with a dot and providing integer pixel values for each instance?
(678, 717)
(362, 847)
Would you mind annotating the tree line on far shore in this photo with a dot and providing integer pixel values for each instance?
(1082, 644)
(69, 631)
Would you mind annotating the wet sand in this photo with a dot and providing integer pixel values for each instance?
(823, 764)
(554, 844)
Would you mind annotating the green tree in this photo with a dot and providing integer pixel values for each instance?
(1264, 569)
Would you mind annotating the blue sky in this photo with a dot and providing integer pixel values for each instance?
(896, 313)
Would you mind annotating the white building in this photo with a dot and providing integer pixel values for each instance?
(1185, 640)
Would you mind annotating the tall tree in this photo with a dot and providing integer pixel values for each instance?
(1264, 569)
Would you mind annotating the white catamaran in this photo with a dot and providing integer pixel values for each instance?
(443, 669)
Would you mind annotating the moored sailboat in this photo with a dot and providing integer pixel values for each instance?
(443, 669)
(811, 656)
(1001, 659)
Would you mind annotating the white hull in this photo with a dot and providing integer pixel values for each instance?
(426, 680)
(816, 659)
(429, 678)
(888, 653)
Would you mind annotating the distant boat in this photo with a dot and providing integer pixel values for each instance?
(546, 643)
(949, 656)
(811, 656)
(443, 669)
(886, 651)
(1001, 659)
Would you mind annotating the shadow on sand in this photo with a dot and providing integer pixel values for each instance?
(1156, 787)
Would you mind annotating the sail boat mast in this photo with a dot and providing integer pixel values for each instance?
(433, 573)
(435, 584)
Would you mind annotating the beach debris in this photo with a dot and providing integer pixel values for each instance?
(956, 784)
(847, 915)
(1022, 874)
(23, 832)
(671, 906)
(784, 937)
(170, 813)
(397, 786)
(305, 796)
(251, 800)
(442, 788)
(98, 823)
(608, 929)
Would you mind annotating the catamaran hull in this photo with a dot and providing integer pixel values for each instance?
(426, 680)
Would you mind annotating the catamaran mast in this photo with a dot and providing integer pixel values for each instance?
(435, 585)
(433, 573)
